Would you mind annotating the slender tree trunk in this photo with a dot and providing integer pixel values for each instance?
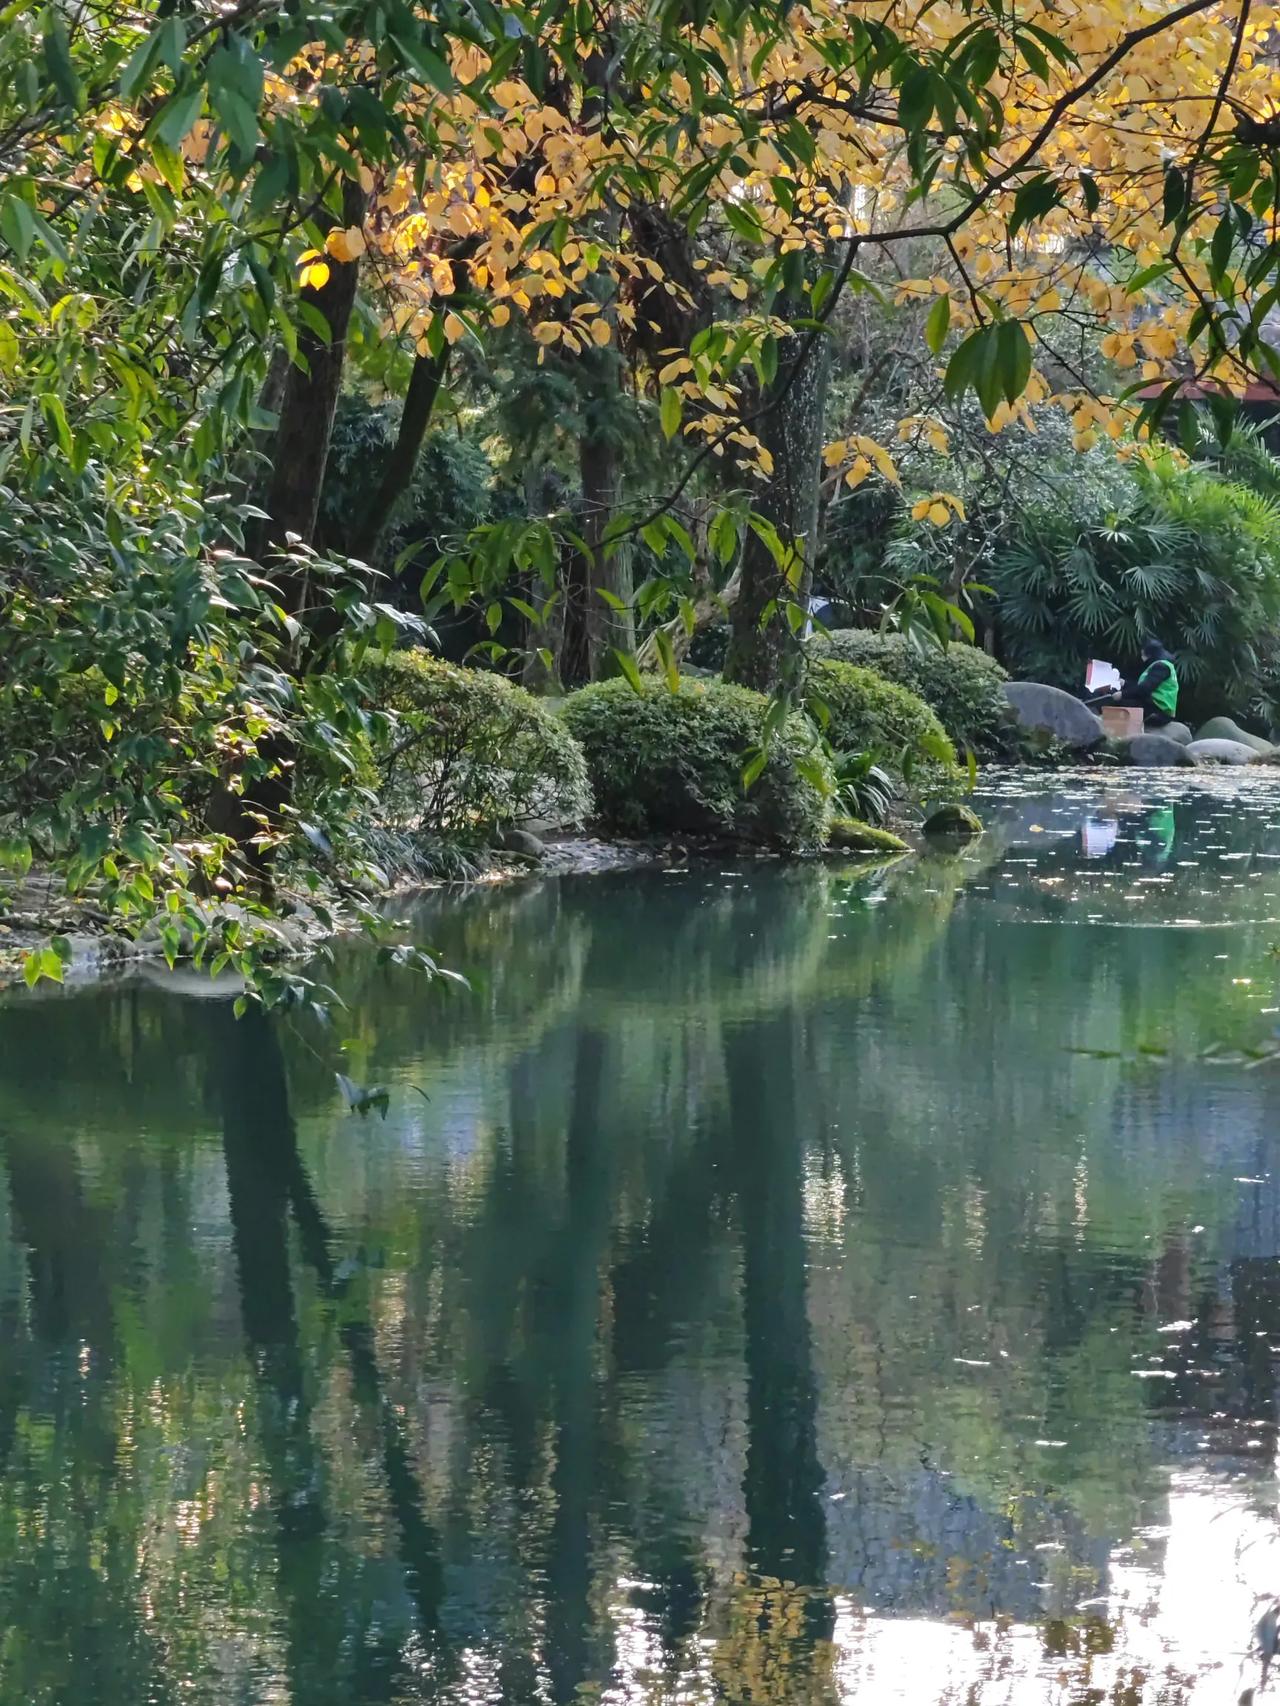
(763, 650)
(397, 476)
(301, 450)
(607, 626)
(299, 457)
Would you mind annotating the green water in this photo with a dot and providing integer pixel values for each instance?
(768, 1284)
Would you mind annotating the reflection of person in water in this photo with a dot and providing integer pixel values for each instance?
(1162, 827)
(1098, 836)
(1155, 831)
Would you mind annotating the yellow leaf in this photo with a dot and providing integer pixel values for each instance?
(501, 314)
(920, 510)
(346, 245)
(600, 333)
(315, 276)
(548, 332)
(939, 514)
(454, 328)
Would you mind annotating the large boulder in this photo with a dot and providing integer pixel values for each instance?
(1154, 751)
(1175, 731)
(1220, 752)
(1226, 728)
(1060, 714)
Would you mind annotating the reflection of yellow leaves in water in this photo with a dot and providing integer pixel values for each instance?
(772, 1649)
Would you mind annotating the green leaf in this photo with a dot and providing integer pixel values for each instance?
(58, 61)
(627, 664)
(235, 89)
(422, 59)
(139, 63)
(51, 406)
(1147, 275)
(753, 769)
(1220, 249)
(670, 410)
(1175, 195)
(17, 226)
(937, 324)
(722, 536)
(743, 221)
(15, 854)
(916, 99)
(1014, 355)
(666, 652)
(172, 123)
(1033, 200)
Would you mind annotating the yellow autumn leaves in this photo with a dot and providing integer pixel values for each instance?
(939, 508)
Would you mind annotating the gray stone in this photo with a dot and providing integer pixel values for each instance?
(1174, 731)
(1059, 714)
(1154, 751)
(1220, 752)
(1226, 728)
(524, 843)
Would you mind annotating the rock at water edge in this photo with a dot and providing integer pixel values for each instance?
(1059, 714)
(1220, 752)
(1153, 751)
(956, 821)
(524, 843)
(1226, 728)
(851, 835)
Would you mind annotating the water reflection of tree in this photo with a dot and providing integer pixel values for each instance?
(598, 1351)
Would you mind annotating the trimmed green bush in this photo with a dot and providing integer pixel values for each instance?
(466, 752)
(661, 761)
(961, 684)
(862, 712)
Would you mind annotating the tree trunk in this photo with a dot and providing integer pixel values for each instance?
(763, 650)
(397, 476)
(298, 459)
(607, 627)
(301, 449)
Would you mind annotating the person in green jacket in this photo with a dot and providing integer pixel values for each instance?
(1155, 688)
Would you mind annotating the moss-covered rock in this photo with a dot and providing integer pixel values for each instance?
(851, 835)
(955, 820)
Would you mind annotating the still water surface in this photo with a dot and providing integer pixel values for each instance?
(770, 1284)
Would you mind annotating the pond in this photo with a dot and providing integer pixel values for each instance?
(767, 1284)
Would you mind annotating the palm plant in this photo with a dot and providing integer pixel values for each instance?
(1194, 558)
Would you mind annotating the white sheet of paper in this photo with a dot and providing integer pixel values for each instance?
(1100, 676)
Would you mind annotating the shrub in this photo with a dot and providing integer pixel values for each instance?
(863, 712)
(467, 751)
(961, 684)
(662, 761)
